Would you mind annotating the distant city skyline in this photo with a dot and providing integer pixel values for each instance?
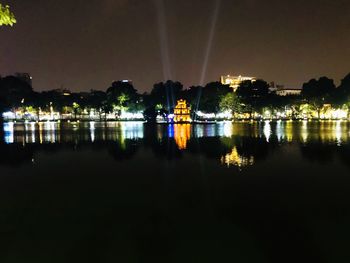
(82, 47)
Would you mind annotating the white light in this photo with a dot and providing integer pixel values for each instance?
(227, 129)
(131, 116)
(267, 130)
(339, 114)
(8, 115)
(224, 115)
(338, 133)
(92, 131)
(206, 115)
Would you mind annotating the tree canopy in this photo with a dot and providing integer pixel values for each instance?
(14, 92)
(254, 95)
(7, 18)
(122, 96)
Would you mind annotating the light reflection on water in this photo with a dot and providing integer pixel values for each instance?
(269, 132)
(235, 159)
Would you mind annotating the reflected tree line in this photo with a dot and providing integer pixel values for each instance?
(238, 150)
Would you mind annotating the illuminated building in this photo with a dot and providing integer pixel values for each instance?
(275, 87)
(235, 81)
(288, 92)
(182, 112)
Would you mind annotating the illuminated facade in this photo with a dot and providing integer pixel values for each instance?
(182, 112)
(288, 92)
(235, 81)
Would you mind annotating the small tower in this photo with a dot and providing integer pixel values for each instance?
(182, 113)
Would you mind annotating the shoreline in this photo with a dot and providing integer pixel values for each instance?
(209, 122)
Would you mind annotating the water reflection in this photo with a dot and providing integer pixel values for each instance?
(235, 159)
(182, 134)
(267, 130)
(9, 132)
(237, 145)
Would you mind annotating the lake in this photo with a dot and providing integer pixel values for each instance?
(265, 191)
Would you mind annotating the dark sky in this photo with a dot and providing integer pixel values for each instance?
(86, 44)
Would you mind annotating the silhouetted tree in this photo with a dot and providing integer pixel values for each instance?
(14, 93)
(211, 96)
(343, 91)
(318, 92)
(165, 95)
(254, 95)
(97, 100)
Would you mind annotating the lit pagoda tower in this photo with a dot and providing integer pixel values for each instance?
(182, 112)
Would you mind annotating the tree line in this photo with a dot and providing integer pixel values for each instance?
(251, 100)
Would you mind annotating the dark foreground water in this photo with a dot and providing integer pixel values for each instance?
(130, 192)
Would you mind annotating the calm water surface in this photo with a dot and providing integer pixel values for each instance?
(132, 192)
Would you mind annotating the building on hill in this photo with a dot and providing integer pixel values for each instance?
(235, 81)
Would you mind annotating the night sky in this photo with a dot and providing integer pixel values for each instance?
(82, 45)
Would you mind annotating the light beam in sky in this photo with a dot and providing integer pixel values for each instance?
(163, 38)
(210, 42)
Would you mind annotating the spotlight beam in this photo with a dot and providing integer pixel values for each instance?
(163, 39)
(210, 41)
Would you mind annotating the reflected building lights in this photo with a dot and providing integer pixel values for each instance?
(132, 130)
(279, 130)
(304, 131)
(92, 131)
(182, 134)
(41, 132)
(338, 132)
(29, 132)
(50, 129)
(267, 130)
(209, 130)
(9, 132)
(227, 129)
(289, 131)
(335, 132)
(198, 131)
(235, 159)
